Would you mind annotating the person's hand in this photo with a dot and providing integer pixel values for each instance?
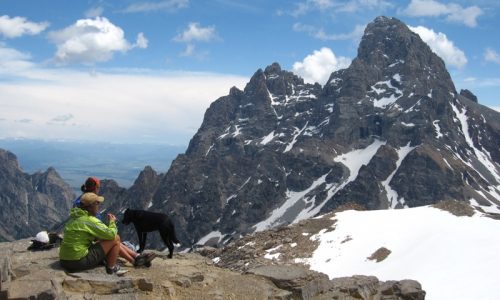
(111, 217)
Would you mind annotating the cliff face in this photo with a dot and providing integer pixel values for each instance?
(390, 131)
(30, 203)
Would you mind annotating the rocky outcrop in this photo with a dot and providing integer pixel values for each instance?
(37, 275)
(390, 131)
(30, 203)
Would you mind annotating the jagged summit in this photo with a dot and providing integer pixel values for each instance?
(390, 131)
(30, 203)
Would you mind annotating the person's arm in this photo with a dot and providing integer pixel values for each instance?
(100, 230)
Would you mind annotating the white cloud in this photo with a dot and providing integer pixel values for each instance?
(141, 42)
(166, 5)
(19, 26)
(94, 12)
(317, 67)
(453, 12)
(195, 33)
(189, 51)
(442, 46)
(492, 55)
(13, 61)
(90, 41)
(120, 106)
(351, 6)
(320, 34)
(354, 6)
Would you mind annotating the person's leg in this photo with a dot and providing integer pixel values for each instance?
(112, 249)
(127, 253)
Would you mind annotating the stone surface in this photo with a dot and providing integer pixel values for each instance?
(303, 283)
(186, 276)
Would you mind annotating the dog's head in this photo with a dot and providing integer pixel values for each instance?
(127, 217)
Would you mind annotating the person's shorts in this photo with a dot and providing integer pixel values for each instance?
(95, 256)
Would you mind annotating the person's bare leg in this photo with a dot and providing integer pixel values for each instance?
(112, 249)
(127, 253)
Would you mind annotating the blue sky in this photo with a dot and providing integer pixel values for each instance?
(145, 71)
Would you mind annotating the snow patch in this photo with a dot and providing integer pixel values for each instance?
(483, 156)
(294, 139)
(392, 196)
(438, 129)
(211, 235)
(267, 138)
(423, 241)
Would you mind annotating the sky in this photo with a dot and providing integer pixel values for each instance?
(146, 71)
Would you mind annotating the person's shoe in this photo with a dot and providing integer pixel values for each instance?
(149, 259)
(140, 260)
(144, 259)
(115, 270)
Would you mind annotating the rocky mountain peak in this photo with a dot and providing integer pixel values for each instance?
(30, 203)
(389, 50)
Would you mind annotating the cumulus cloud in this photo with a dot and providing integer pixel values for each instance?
(91, 40)
(195, 33)
(19, 26)
(120, 106)
(167, 5)
(317, 67)
(453, 12)
(319, 33)
(442, 46)
(491, 55)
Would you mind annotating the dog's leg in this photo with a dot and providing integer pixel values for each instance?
(142, 241)
(168, 242)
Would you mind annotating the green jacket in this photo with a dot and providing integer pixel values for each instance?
(81, 231)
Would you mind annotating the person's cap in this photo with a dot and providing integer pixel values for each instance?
(90, 198)
(42, 237)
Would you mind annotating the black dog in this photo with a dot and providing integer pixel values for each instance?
(146, 221)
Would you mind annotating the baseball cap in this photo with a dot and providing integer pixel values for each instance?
(90, 198)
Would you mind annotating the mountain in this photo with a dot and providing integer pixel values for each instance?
(30, 203)
(390, 131)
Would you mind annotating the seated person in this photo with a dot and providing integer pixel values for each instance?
(88, 241)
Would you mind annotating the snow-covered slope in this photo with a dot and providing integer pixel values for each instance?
(452, 257)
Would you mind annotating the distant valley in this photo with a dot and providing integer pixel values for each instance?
(75, 161)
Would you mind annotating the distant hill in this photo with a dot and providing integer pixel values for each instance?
(75, 161)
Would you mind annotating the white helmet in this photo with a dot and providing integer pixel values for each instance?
(42, 237)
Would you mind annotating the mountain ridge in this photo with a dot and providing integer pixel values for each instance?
(388, 131)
